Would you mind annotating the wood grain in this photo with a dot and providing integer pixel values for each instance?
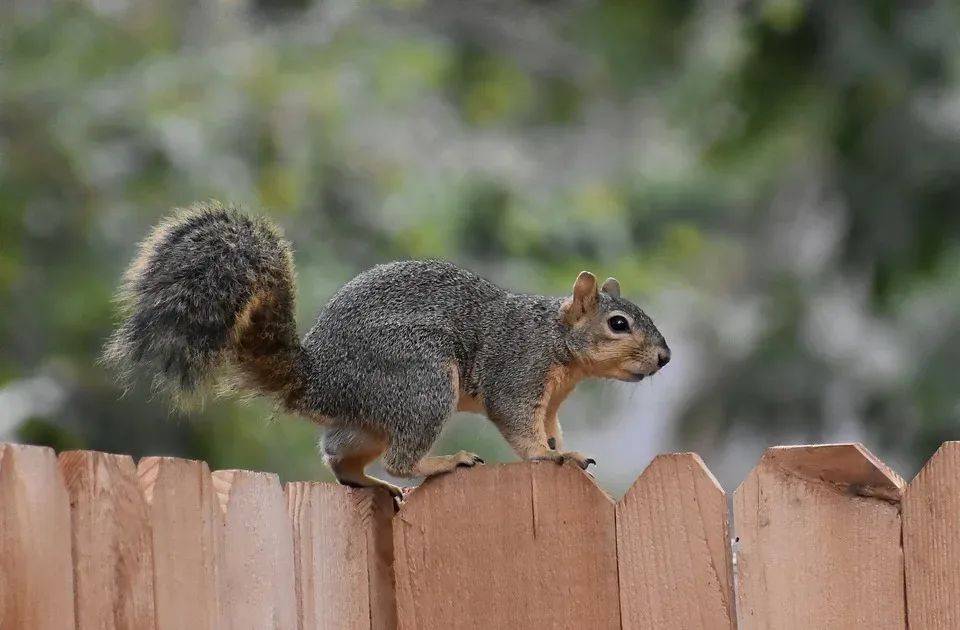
(931, 542)
(257, 559)
(36, 566)
(673, 546)
(507, 546)
(819, 541)
(112, 542)
(187, 525)
(343, 556)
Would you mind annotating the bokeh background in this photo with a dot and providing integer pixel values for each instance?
(775, 182)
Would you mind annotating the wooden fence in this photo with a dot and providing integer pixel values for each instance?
(826, 537)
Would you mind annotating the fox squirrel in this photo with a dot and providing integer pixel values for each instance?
(395, 351)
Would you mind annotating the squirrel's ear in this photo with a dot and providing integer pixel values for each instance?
(585, 288)
(584, 298)
(611, 287)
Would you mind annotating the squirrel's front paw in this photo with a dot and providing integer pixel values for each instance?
(465, 458)
(582, 460)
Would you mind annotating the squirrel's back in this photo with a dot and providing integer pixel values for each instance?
(381, 316)
(416, 290)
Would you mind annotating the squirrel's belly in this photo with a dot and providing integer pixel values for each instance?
(465, 401)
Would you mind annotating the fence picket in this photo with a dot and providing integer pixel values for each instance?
(343, 557)
(673, 546)
(257, 559)
(819, 541)
(511, 546)
(112, 542)
(36, 567)
(187, 525)
(931, 542)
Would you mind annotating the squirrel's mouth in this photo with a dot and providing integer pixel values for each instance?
(636, 377)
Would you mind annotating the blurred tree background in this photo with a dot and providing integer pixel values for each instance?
(775, 182)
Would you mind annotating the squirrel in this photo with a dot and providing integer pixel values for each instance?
(391, 356)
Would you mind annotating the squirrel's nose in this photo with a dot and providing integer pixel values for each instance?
(663, 357)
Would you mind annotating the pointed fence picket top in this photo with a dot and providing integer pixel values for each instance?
(343, 556)
(508, 546)
(819, 541)
(257, 559)
(36, 566)
(187, 525)
(931, 542)
(673, 548)
(112, 542)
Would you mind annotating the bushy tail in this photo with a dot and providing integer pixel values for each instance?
(211, 288)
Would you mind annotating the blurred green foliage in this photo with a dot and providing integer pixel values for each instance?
(668, 144)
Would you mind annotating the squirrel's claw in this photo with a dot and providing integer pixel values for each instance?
(579, 458)
(582, 461)
(468, 460)
(399, 499)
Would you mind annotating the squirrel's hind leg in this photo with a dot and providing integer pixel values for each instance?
(348, 452)
(417, 424)
(414, 435)
(406, 453)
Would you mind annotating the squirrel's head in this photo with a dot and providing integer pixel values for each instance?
(611, 337)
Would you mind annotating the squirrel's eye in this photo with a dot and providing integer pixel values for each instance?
(618, 323)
